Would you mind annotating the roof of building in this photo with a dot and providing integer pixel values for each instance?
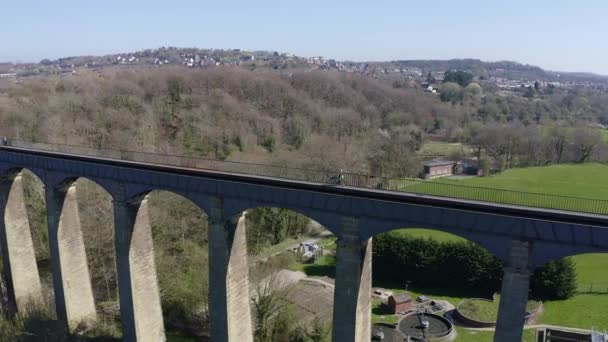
(402, 298)
(436, 162)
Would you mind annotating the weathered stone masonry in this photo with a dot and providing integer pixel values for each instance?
(522, 238)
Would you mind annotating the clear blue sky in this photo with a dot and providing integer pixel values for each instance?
(567, 35)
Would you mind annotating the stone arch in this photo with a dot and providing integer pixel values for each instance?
(393, 272)
(497, 245)
(329, 220)
(74, 291)
(136, 192)
(144, 288)
(64, 180)
(7, 169)
(21, 274)
(545, 251)
(445, 236)
(312, 297)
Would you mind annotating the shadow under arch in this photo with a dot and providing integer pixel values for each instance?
(22, 240)
(168, 255)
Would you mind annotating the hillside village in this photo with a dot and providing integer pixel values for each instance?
(508, 78)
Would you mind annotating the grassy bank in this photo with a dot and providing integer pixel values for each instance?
(574, 180)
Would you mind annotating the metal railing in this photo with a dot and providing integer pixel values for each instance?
(407, 185)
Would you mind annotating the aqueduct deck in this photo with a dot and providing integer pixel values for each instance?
(523, 230)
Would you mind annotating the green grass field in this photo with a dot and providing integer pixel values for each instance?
(328, 243)
(592, 270)
(486, 311)
(584, 180)
(576, 180)
(429, 234)
(381, 313)
(486, 336)
(576, 187)
(581, 311)
(323, 266)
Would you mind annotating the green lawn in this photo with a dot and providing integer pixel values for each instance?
(577, 180)
(486, 311)
(486, 336)
(323, 266)
(429, 234)
(587, 182)
(328, 243)
(582, 311)
(592, 269)
(381, 313)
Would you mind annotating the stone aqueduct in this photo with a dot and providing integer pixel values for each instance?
(523, 238)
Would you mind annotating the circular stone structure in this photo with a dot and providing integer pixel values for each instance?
(465, 316)
(426, 327)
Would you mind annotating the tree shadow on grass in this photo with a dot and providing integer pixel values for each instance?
(314, 270)
(382, 310)
(324, 266)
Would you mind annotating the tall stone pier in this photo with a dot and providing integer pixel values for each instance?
(23, 287)
(74, 299)
(229, 307)
(352, 295)
(140, 305)
(514, 294)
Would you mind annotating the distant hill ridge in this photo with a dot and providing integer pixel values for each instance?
(505, 69)
(175, 55)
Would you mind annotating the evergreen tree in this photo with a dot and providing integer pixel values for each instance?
(555, 280)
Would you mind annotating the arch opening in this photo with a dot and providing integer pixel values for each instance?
(583, 291)
(25, 253)
(27, 258)
(292, 267)
(435, 259)
(462, 276)
(179, 232)
(86, 282)
(431, 271)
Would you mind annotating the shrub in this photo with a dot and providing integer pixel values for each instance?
(555, 280)
(461, 265)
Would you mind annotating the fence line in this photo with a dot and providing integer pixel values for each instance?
(592, 288)
(408, 185)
